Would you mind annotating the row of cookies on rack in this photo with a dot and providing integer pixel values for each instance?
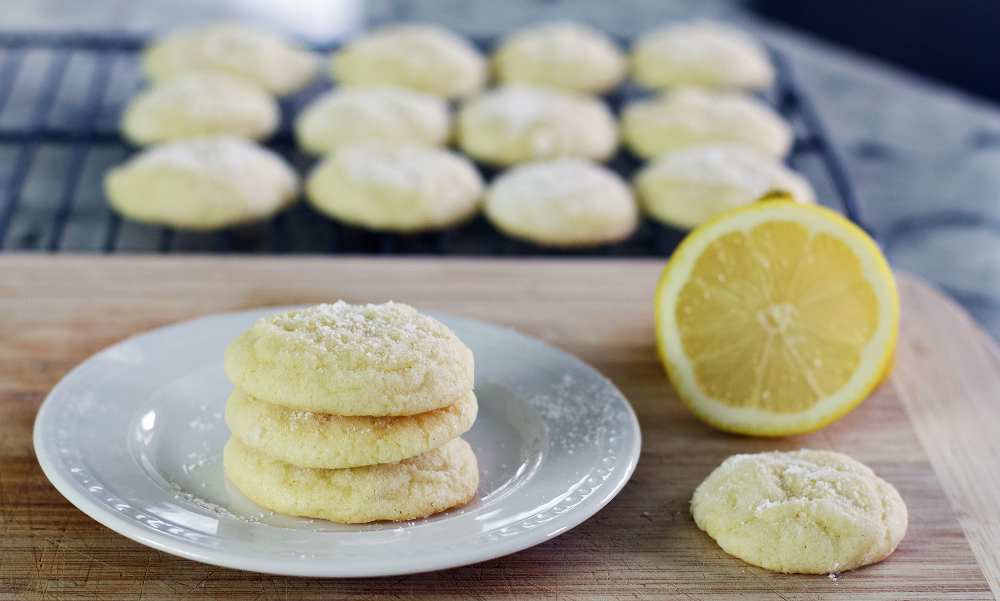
(432, 59)
(385, 167)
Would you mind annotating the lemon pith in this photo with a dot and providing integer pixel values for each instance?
(776, 318)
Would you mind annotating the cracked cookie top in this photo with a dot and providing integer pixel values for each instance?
(802, 511)
(347, 359)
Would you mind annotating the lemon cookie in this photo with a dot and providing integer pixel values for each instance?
(321, 440)
(424, 57)
(428, 483)
(270, 61)
(565, 202)
(200, 104)
(519, 123)
(396, 187)
(563, 54)
(813, 512)
(202, 184)
(701, 54)
(352, 360)
(384, 114)
(691, 116)
(687, 187)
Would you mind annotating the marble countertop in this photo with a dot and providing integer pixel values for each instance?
(924, 156)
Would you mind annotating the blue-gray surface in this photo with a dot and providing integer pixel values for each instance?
(925, 157)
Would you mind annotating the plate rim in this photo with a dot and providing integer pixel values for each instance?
(280, 566)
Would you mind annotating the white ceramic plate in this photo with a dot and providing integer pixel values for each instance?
(133, 436)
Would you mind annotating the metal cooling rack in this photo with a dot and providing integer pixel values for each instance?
(60, 100)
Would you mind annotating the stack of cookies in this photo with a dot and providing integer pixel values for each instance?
(351, 413)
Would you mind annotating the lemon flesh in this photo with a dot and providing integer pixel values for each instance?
(776, 318)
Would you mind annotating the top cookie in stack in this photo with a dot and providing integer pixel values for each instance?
(351, 413)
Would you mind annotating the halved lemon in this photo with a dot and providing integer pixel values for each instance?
(776, 318)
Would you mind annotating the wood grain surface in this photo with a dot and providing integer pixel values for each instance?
(928, 431)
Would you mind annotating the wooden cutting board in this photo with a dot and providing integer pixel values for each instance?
(930, 431)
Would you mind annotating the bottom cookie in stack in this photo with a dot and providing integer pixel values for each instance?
(359, 419)
(419, 486)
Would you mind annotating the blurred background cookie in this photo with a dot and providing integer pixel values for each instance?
(424, 57)
(565, 202)
(200, 103)
(202, 184)
(265, 58)
(700, 53)
(396, 187)
(689, 116)
(347, 116)
(687, 187)
(518, 123)
(562, 54)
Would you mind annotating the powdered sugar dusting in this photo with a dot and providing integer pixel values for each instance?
(523, 106)
(229, 154)
(559, 178)
(519, 106)
(386, 333)
(402, 166)
(349, 115)
(549, 122)
(567, 185)
(204, 455)
(297, 418)
(584, 409)
(213, 507)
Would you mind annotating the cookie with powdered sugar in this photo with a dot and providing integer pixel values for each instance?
(198, 104)
(342, 359)
(688, 116)
(701, 53)
(431, 482)
(562, 54)
(322, 440)
(347, 116)
(419, 56)
(518, 123)
(202, 184)
(564, 202)
(396, 187)
(272, 62)
(687, 187)
(812, 512)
